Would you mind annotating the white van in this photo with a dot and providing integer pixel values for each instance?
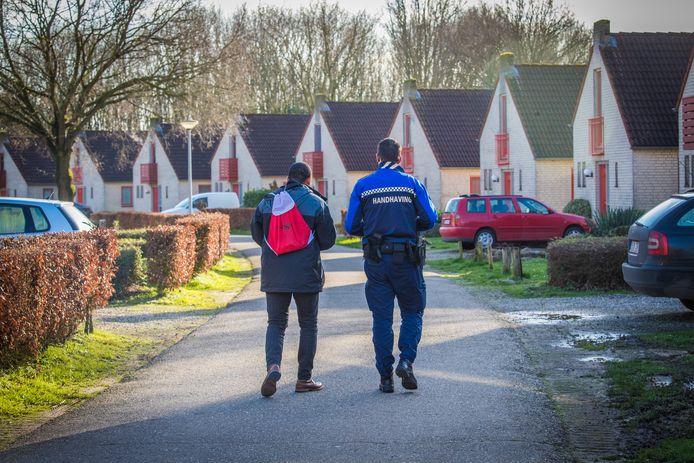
(202, 201)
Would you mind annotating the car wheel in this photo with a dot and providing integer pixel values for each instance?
(573, 232)
(688, 303)
(485, 237)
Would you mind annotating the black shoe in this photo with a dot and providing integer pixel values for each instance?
(404, 371)
(387, 384)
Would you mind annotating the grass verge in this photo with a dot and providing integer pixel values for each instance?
(435, 243)
(533, 283)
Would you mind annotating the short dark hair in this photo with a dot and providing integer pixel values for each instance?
(299, 171)
(388, 150)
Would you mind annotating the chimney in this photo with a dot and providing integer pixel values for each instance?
(506, 62)
(409, 89)
(154, 122)
(318, 106)
(601, 32)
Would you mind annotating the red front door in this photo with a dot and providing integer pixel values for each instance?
(602, 188)
(508, 185)
(155, 199)
(80, 195)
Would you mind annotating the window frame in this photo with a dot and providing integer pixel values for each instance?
(126, 188)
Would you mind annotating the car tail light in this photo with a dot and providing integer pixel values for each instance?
(456, 219)
(657, 244)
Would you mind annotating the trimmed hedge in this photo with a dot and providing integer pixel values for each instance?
(587, 263)
(131, 269)
(170, 249)
(49, 284)
(252, 198)
(239, 219)
(211, 238)
(579, 207)
(135, 220)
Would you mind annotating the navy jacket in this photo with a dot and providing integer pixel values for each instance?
(390, 203)
(299, 271)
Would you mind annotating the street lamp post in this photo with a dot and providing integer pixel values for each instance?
(189, 124)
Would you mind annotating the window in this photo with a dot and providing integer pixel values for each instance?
(520, 180)
(152, 153)
(333, 187)
(166, 191)
(317, 142)
(200, 203)
(597, 92)
(91, 192)
(39, 219)
(452, 205)
(126, 196)
(12, 219)
(686, 172)
(406, 129)
(502, 206)
(48, 193)
(502, 114)
(477, 206)
(616, 175)
(688, 123)
(530, 206)
(204, 188)
(687, 220)
(425, 182)
(475, 185)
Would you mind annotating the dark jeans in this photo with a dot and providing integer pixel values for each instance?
(277, 317)
(387, 280)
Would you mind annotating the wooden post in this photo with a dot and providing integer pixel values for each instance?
(506, 259)
(479, 253)
(490, 257)
(516, 263)
(461, 250)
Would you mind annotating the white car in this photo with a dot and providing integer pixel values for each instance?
(28, 216)
(207, 201)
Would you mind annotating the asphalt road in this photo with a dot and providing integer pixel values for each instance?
(479, 399)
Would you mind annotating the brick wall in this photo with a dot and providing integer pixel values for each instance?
(655, 177)
(455, 182)
(554, 182)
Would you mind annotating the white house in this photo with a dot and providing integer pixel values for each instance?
(102, 169)
(625, 129)
(160, 170)
(340, 145)
(12, 181)
(526, 145)
(27, 169)
(439, 131)
(259, 154)
(685, 111)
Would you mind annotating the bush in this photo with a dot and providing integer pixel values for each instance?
(135, 220)
(239, 219)
(169, 250)
(211, 238)
(49, 284)
(130, 271)
(615, 222)
(579, 207)
(587, 263)
(136, 233)
(252, 198)
(436, 231)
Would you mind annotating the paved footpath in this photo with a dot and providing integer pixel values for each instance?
(478, 401)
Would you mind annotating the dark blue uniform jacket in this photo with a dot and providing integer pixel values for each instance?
(390, 203)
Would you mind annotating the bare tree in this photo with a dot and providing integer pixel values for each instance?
(63, 62)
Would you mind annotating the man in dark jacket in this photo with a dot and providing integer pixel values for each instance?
(297, 274)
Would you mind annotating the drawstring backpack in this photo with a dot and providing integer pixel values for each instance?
(289, 231)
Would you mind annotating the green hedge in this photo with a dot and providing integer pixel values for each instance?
(579, 207)
(131, 268)
(252, 198)
(587, 263)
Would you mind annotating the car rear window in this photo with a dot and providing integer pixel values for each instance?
(452, 205)
(476, 206)
(651, 217)
(687, 220)
(40, 221)
(79, 221)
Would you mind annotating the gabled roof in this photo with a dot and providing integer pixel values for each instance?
(203, 148)
(356, 129)
(545, 97)
(273, 140)
(452, 121)
(685, 78)
(113, 153)
(32, 158)
(646, 71)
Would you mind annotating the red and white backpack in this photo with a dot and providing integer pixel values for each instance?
(289, 231)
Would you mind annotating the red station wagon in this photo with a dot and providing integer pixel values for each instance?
(517, 219)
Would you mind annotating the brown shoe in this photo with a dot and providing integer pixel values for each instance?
(269, 386)
(308, 386)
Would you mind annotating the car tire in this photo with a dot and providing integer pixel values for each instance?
(486, 236)
(574, 231)
(688, 303)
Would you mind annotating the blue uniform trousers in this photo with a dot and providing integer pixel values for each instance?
(387, 280)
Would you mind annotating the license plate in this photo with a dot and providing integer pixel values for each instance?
(634, 248)
(447, 222)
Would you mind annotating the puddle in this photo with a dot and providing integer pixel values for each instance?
(596, 337)
(599, 359)
(542, 318)
(563, 344)
(662, 380)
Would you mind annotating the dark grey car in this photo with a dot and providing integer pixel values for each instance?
(660, 259)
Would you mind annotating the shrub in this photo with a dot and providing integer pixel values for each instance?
(579, 207)
(48, 285)
(587, 263)
(136, 233)
(169, 250)
(130, 269)
(135, 220)
(239, 219)
(211, 238)
(615, 222)
(252, 198)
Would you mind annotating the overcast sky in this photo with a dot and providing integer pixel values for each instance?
(625, 15)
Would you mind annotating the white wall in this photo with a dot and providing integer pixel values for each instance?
(655, 172)
(112, 196)
(249, 176)
(168, 181)
(615, 139)
(223, 151)
(688, 92)
(93, 184)
(16, 186)
(426, 167)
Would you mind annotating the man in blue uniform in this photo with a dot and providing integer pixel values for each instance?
(388, 209)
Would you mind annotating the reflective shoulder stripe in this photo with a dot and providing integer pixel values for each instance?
(391, 189)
